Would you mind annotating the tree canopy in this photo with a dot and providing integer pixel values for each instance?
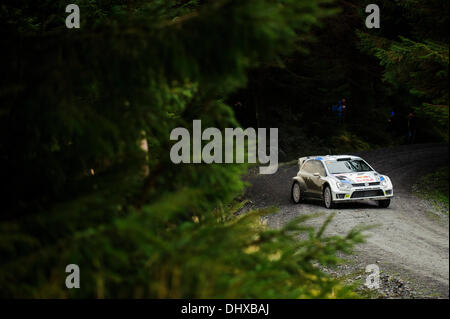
(76, 106)
(86, 115)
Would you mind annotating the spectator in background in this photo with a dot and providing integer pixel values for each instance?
(338, 110)
(391, 123)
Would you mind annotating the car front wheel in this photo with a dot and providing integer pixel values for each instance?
(296, 193)
(328, 198)
(384, 203)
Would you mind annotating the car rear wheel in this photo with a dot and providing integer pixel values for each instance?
(328, 198)
(384, 203)
(296, 193)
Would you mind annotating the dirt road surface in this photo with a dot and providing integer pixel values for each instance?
(410, 243)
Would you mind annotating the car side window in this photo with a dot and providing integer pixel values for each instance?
(307, 167)
(314, 166)
(319, 168)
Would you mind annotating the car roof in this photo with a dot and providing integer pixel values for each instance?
(336, 157)
(322, 158)
(330, 157)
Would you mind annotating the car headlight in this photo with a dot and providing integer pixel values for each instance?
(344, 185)
(383, 181)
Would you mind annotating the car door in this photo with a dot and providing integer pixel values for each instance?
(316, 180)
(306, 175)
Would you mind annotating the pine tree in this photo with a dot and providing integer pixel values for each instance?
(417, 61)
(76, 106)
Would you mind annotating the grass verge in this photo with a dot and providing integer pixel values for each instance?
(435, 188)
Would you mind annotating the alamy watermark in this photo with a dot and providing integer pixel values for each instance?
(373, 19)
(373, 279)
(73, 279)
(220, 150)
(73, 19)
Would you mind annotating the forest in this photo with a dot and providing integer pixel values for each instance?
(77, 105)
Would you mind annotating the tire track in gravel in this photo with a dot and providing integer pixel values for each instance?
(412, 239)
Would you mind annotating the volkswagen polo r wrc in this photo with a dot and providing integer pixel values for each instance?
(340, 178)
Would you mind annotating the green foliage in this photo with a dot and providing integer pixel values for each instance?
(418, 62)
(147, 254)
(437, 115)
(435, 187)
(420, 67)
(76, 107)
(347, 142)
(296, 93)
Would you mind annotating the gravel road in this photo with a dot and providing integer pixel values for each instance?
(410, 243)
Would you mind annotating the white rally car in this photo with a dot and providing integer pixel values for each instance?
(340, 178)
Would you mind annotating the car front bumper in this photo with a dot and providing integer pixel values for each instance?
(362, 193)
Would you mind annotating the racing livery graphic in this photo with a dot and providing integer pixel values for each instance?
(340, 178)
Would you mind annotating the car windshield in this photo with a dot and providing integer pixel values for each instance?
(348, 166)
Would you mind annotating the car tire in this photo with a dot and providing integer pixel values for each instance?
(296, 193)
(328, 198)
(384, 203)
